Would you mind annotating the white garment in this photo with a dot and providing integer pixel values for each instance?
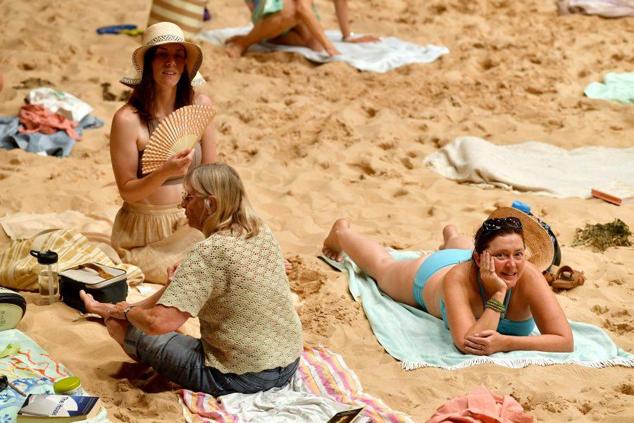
(60, 102)
(606, 8)
(533, 166)
(382, 56)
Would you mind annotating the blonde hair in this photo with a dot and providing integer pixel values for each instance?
(233, 210)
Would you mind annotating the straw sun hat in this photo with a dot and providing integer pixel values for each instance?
(539, 245)
(165, 33)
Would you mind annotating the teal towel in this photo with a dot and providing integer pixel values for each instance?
(616, 87)
(418, 339)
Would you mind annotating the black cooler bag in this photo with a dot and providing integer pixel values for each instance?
(106, 284)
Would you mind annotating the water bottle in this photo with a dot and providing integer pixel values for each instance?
(47, 277)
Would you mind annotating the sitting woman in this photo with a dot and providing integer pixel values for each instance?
(489, 295)
(292, 22)
(234, 281)
(150, 230)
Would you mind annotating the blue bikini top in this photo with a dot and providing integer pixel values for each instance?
(505, 326)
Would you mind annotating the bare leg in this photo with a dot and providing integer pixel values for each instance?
(395, 278)
(269, 27)
(453, 239)
(308, 18)
(298, 36)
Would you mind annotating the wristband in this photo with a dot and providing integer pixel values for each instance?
(127, 309)
(495, 305)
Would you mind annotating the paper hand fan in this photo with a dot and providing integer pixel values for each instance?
(180, 130)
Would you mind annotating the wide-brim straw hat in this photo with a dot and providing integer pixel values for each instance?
(539, 245)
(165, 33)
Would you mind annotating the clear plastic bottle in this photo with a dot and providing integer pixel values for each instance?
(47, 277)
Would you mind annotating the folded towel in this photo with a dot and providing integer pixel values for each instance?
(419, 339)
(322, 386)
(382, 56)
(616, 87)
(542, 169)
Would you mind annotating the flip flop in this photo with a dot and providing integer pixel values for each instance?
(115, 29)
(567, 278)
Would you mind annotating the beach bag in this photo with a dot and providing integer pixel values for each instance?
(106, 284)
(187, 14)
(19, 270)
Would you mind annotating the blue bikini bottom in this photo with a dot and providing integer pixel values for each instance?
(432, 264)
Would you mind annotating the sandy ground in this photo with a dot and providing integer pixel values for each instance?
(317, 142)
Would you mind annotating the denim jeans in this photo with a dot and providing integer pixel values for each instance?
(181, 359)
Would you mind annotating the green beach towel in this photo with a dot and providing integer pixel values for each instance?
(418, 339)
(616, 87)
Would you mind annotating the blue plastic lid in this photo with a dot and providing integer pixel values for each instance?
(517, 204)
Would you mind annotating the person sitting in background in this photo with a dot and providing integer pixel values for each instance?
(234, 281)
(489, 294)
(292, 22)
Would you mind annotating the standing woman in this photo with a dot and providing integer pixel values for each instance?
(150, 230)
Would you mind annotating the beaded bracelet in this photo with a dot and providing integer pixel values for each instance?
(495, 305)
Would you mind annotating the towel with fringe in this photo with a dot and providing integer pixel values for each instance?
(387, 54)
(322, 386)
(418, 339)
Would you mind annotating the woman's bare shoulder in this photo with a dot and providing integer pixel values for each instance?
(126, 115)
(200, 98)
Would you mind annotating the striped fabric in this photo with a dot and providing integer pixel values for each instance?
(18, 269)
(188, 14)
(321, 372)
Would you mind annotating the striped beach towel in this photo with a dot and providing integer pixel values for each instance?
(321, 373)
(188, 14)
(18, 269)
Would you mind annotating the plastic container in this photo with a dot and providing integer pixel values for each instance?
(68, 386)
(47, 277)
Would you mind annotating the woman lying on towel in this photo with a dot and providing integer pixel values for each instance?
(490, 295)
(234, 282)
(144, 229)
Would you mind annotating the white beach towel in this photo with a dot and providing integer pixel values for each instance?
(533, 166)
(382, 56)
(605, 8)
(60, 102)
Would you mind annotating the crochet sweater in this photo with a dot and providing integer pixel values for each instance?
(238, 289)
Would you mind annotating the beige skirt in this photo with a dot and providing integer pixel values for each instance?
(152, 237)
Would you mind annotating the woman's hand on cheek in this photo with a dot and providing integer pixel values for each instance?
(485, 343)
(488, 276)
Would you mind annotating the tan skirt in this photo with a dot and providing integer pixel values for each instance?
(152, 237)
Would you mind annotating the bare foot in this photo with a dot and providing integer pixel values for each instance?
(448, 232)
(94, 306)
(288, 266)
(332, 51)
(234, 47)
(332, 248)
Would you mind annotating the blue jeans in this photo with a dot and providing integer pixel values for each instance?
(181, 359)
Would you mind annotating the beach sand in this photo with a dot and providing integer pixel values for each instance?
(314, 143)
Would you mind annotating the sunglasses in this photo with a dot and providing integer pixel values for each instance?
(4, 383)
(499, 223)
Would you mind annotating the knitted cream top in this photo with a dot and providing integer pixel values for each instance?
(238, 289)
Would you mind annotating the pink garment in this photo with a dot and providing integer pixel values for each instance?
(481, 406)
(37, 118)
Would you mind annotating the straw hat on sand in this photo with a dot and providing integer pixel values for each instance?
(539, 245)
(165, 33)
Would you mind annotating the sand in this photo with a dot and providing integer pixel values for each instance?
(314, 143)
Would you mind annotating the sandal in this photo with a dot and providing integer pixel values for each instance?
(567, 278)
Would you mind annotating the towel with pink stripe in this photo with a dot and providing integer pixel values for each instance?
(322, 386)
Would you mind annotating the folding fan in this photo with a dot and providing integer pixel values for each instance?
(180, 130)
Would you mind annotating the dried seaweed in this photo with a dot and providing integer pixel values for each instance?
(602, 236)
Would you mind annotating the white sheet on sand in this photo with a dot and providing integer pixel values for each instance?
(605, 8)
(380, 57)
(533, 166)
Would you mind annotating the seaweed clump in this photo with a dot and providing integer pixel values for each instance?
(604, 235)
